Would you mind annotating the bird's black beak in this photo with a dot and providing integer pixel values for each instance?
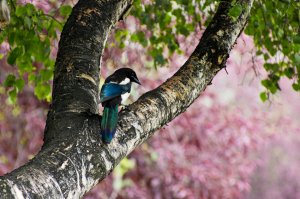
(136, 80)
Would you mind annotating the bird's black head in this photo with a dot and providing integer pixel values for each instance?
(129, 73)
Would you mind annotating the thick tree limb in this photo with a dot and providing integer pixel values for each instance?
(73, 158)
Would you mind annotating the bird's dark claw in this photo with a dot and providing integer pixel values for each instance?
(123, 107)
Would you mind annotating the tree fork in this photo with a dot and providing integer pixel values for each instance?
(73, 158)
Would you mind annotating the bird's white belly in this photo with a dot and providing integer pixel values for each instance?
(124, 97)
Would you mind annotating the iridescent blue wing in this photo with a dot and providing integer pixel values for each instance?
(112, 90)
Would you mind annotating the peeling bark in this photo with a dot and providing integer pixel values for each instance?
(73, 158)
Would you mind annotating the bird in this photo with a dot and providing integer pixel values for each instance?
(115, 90)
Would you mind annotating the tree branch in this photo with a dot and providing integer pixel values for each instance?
(73, 158)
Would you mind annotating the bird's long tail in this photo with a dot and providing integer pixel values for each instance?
(109, 123)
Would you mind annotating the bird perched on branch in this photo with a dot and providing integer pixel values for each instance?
(114, 92)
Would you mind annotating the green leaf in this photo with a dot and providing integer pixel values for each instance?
(167, 19)
(159, 59)
(10, 80)
(11, 38)
(263, 96)
(271, 85)
(46, 74)
(289, 72)
(20, 84)
(14, 54)
(235, 11)
(65, 10)
(42, 91)
(297, 58)
(31, 77)
(296, 39)
(20, 11)
(12, 96)
(30, 9)
(266, 83)
(182, 29)
(27, 21)
(134, 38)
(271, 67)
(280, 33)
(296, 87)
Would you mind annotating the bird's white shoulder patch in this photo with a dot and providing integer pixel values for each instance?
(125, 81)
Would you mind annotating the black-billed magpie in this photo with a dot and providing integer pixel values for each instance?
(114, 92)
